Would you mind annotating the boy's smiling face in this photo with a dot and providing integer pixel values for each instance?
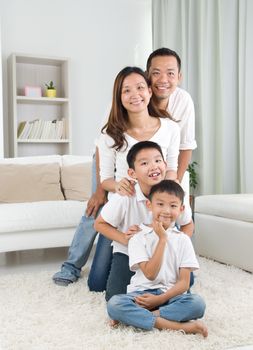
(149, 169)
(165, 208)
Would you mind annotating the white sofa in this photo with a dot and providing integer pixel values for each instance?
(42, 223)
(224, 228)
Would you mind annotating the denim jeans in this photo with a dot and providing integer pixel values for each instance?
(80, 249)
(119, 276)
(101, 265)
(182, 308)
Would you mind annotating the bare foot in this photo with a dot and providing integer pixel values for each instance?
(113, 323)
(196, 327)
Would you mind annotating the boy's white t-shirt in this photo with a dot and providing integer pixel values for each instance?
(179, 253)
(123, 211)
(181, 108)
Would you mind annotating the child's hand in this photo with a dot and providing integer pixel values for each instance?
(158, 228)
(125, 187)
(130, 232)
(148, 301)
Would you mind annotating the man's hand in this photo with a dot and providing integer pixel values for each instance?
(149, 301)
(95, 202)
(125, 187)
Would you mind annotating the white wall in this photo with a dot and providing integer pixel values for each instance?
(100, 37)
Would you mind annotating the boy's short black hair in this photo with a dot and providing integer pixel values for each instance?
(139, 146)
(168, 186)
(163, 51)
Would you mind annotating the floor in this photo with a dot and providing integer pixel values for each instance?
(45, 259)
(33, 260)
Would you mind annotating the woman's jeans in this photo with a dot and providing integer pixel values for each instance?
(182, 308)
(80, 249)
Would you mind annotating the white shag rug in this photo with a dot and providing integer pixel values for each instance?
(36, 314)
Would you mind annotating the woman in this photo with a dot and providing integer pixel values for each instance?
(133, 118)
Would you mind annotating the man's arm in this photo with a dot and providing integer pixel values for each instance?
(99, 197)
(188, 228)
(184, 159)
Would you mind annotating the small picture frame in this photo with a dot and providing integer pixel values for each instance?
(33, 91)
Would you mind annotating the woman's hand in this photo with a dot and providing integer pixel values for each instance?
(96, 201)
(125, 187)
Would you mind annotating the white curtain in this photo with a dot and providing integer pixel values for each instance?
(215, 41)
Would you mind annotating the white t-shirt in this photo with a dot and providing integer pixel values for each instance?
(178, 253)
(123, 211)
(113, 163)
(181, 108)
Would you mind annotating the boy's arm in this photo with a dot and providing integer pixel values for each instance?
(150, 301)
(152, 267)
(111, 232)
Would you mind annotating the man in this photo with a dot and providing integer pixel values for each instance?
(164, 71)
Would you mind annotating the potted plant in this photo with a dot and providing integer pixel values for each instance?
(50, 89)
(193, 182)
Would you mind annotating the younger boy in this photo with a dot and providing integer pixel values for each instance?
(162, 258)
(147, 165)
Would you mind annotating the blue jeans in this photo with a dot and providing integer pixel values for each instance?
(101, 265)
(182, 308)
(80, 249)
(119, 276)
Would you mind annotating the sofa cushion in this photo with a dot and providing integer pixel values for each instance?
(18, 217)
(231, 206)
(75, 181)
(30, 182)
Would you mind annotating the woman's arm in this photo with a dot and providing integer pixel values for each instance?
(99, 197)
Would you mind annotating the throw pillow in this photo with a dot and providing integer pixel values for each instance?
(30, 183)
(76, 181)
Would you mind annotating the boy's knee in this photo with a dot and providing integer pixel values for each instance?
(113, 305)
(200, 306)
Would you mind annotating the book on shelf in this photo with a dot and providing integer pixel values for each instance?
(42, 129)
(21, 126)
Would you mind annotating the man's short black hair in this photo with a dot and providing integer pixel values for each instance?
(168, 186)
(135, 149)
(163, 51)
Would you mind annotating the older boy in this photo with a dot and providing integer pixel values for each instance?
(162, 258)
(147, 165)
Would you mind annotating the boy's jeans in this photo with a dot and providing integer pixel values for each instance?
(182, 308)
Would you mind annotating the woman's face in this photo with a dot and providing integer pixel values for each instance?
(135, 94)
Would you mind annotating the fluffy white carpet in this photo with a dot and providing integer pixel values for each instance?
(38, 315)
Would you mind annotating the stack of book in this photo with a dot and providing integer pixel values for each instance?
(39, 129)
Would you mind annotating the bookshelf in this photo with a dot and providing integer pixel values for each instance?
(38, 125)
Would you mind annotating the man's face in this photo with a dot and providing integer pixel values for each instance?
(164, 76)
(165, 208)
(149, 168)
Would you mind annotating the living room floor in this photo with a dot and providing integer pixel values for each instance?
(45, 259)
(34, 260)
